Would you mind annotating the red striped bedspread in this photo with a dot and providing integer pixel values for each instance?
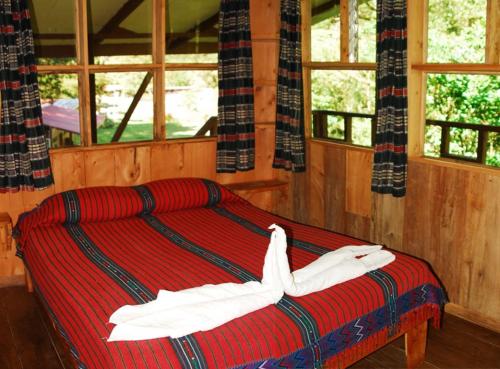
(91, 251)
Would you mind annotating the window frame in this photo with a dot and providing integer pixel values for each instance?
(345, 63)
(83, 69)
(419, 69)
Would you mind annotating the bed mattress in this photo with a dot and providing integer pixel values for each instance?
(91, 251)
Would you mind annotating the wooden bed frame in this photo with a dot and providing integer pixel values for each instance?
(415, 340)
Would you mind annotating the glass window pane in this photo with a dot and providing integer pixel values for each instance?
(463, 142)
(493, 150)
(325, 30)
(362, 131)
(432, 145)
(367, 31)
(191, 103)
(348, 96)
(121, 102)
(462, 99)
(53, 31)
(192, 31)
(457, 31)
(61, 116)
(120, 31)
(345, 91)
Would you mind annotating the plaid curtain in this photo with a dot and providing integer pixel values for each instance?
(236, 129)
(24, 159)
(390, 162)
(290, 143)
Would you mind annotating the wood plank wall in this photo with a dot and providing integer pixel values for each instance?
(450, 217)
(132, 164)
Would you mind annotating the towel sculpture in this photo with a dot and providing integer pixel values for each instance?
(176, 314)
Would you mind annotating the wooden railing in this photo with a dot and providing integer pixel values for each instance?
(209, 126)
(482, 138)
(320, 124)
(320, 130)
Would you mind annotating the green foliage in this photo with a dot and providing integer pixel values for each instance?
(463, 98)
(133, 132)
(457, 31)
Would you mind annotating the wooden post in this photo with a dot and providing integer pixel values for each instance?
(348, 31)
(493, 32)
(83, 76)
(417, 54)
(445, 141)
(482, 146)
(159, 31)
(347, 129)
(415, 344)
(320, 124)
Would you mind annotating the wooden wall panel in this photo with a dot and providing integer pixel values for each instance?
(132, 166)
(449, 217)
(99, 168)
(335, 188)
(451, 220)
(358, 182)
(316, 209)
(265, 103)
(387, 221)
(68, 169)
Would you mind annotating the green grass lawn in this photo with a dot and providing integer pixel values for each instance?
(133, 132)
(141, 132)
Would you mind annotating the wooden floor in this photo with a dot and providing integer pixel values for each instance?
(27, 341)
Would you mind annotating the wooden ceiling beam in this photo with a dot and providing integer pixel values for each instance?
(115, 21)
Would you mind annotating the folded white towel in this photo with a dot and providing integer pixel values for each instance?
(329, 269)
(176, 314)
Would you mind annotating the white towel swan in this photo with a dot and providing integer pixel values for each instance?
(329, 269)
(176, 314)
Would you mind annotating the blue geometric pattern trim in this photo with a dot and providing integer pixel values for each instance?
(148, 201)
(187, 348)
(214, 194)
(353, 332)
(72, 206)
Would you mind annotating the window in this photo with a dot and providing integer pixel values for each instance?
(106, 74)
(191, 85)
(342, 70)
(462, 106)
(457, 31)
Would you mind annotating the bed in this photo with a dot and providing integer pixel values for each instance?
(90, 251)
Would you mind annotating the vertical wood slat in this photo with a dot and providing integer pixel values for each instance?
(83, 76)
(320, 125)
(306, 58)
(444, 148)
(417, 54)
(493, 32)
(347, 129)
(159, 32)
(344, 31)
(482, 146)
